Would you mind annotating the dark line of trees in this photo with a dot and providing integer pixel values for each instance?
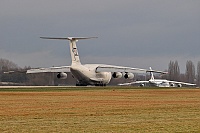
(51, 79)
(21, 78)
(198, 74)
(189, 76)
(173, 70)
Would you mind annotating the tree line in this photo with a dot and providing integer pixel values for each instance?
(190, 76)
(21, 78)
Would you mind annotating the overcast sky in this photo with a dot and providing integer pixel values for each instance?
(136, 33)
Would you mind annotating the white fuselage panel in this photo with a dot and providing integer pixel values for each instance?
(86, 74)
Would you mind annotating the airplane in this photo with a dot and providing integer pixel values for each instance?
(159, 82)
(88, 74)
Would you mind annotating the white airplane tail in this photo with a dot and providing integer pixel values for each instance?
(151, 73)
(73, 48)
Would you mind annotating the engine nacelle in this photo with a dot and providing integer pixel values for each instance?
(117, 75)
(62, 75)
(179, 85)
(128, 75)
(141, 85)
(172, 84)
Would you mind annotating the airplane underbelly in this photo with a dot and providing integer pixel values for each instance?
(91, 77)
(79, 76)
(105, 76)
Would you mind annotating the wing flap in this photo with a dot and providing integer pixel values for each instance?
(176, 82)
(136, 82)
(50, 69)
(111, 68)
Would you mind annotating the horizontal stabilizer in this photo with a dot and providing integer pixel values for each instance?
(155, 71)
(67, 38)
(150, 70)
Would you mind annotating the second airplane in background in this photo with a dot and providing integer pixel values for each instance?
(159, 82)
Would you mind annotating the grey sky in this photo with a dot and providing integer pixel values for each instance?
(137, 33)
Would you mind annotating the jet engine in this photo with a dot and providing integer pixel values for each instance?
(128, 75)
(117, 75)
(172, 84)
(179, 85)
(141, 85)
(62, 75)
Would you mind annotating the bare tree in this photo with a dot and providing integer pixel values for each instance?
(176, 71)
(6, 65)
(170, 70)
(198, 74)
(190, 72)
(173, 70)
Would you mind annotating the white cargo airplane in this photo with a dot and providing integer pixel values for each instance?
(88, 74)
(159, 82)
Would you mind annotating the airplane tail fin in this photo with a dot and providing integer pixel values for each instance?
(73, 48)
(151, 74)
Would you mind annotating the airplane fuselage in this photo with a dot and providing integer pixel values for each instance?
(87, 75)
(159, 83)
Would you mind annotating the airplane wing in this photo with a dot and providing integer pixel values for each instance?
(135, 82)
(176, 82)
(50, 69)
(111, 68)
(42, 70)
(15, 71)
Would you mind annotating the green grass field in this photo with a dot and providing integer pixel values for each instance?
(99, 109)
